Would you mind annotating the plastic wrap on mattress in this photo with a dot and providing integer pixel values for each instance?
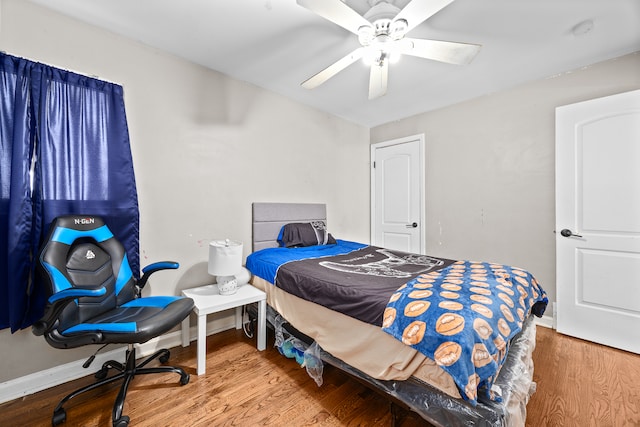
(514, 384)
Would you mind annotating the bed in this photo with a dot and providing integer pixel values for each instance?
(370, 339)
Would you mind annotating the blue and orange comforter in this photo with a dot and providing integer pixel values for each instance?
(464, 317)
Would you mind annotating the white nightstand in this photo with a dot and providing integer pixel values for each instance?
(207, 300)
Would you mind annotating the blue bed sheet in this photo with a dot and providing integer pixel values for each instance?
(266, 262)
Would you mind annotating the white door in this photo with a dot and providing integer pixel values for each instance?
(397, 188)
(598, 220)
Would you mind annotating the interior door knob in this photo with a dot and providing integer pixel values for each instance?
(565, 232)
(412, 225)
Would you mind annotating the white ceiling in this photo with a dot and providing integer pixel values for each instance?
(276, 44)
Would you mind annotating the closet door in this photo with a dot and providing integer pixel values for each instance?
(397, 188)
(598, 220)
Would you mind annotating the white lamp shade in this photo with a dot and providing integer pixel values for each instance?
(225, 257)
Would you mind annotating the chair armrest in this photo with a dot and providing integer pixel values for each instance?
(152, 268)
(57, 302)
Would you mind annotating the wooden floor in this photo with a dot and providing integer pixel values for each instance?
(578, 384)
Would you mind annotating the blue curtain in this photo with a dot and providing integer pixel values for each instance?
(65, 149)
(17, 134)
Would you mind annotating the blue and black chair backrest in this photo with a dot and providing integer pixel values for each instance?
(82, 253)
(93, 296)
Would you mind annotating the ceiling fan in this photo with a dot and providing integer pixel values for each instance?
(382, 36)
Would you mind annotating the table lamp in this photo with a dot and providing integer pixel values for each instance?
(225, 262)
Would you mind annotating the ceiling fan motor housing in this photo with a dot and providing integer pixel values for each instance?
(382, 31)
(382, 10)
(383, 26)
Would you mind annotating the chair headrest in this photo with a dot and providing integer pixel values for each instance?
(66, 229)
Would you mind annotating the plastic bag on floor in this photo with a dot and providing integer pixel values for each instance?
(278, 329)
(313, 363)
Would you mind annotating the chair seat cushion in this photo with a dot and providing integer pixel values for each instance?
(136, 321)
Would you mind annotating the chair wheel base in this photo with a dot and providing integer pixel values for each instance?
(123, 421)
(101, 374)
(184, 379)
(59, 417)
(126, 373)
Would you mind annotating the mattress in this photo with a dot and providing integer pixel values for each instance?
(361, 345)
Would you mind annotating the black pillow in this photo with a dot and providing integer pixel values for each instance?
(297, 234)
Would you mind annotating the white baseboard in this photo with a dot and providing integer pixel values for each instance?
(42, 380)
(546, 321)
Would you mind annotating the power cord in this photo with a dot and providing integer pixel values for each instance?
(247, 327)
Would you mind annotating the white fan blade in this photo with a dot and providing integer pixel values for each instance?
(450, 52)
(333, 69)
(336, 12)
(418, 11)
(378, 79)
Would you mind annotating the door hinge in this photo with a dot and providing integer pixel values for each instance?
(374, 164)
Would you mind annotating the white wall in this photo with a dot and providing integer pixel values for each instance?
(204, 147)
(490, 181)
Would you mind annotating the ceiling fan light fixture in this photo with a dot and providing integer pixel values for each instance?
(382, 48)
(366, 35)
(372, 55)
(398, 29)
(378, 57)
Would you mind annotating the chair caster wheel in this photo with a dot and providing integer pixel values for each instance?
(184, 379)
(101, 374)
(123, 421)
(164, 358)
(59, 417)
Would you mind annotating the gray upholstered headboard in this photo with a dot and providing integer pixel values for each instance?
(268, 219)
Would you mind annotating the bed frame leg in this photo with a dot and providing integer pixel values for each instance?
(394, 409)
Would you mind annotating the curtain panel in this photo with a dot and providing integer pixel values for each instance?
(65, 150)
